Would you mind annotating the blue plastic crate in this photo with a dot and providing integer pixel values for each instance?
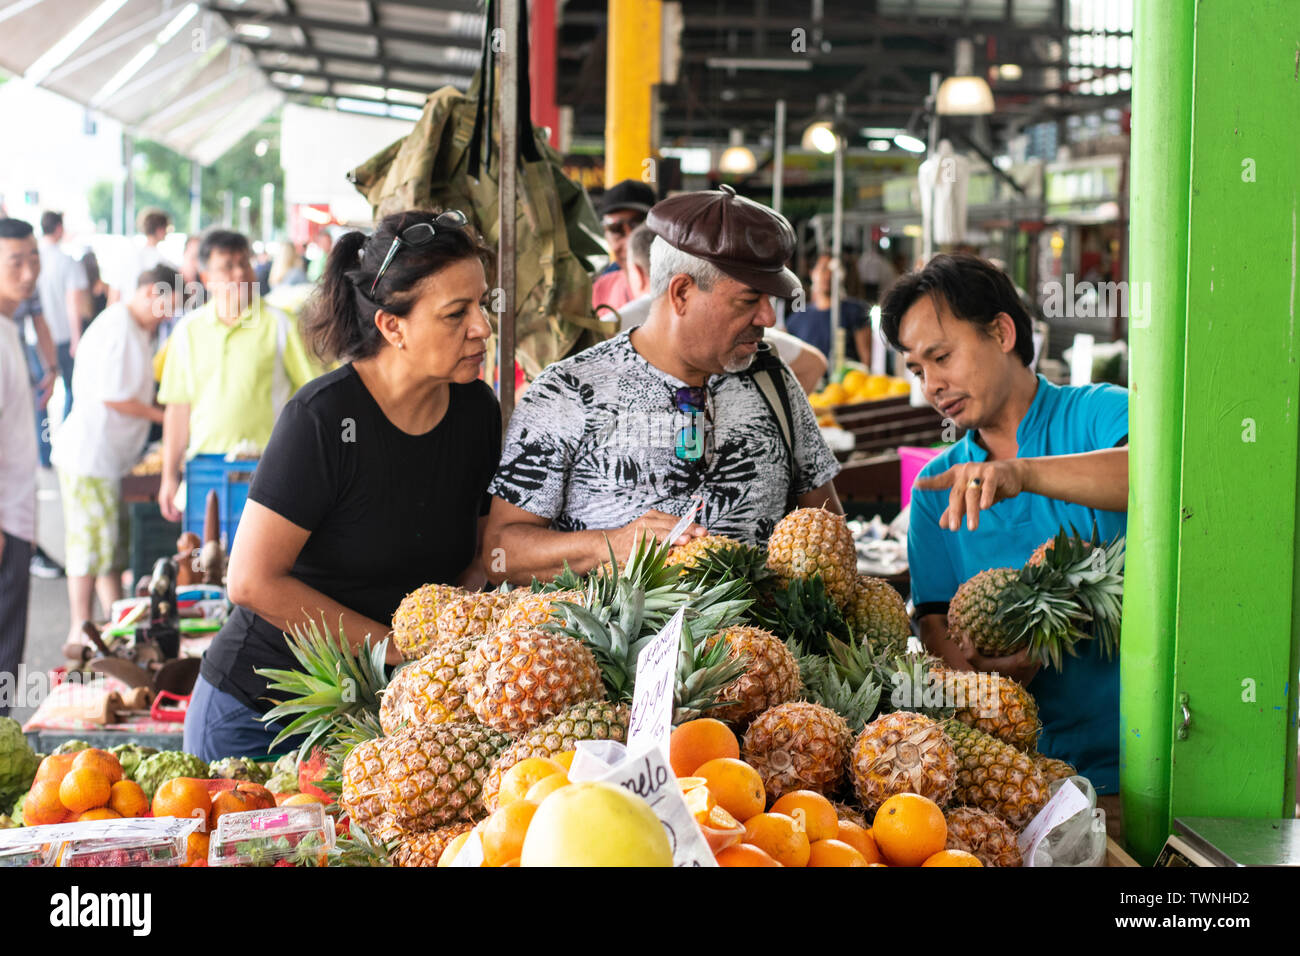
(229, 479)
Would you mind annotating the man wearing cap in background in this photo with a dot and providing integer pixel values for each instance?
(622, 209)
(690, 408)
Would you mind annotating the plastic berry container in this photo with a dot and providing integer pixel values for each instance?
(277, 836)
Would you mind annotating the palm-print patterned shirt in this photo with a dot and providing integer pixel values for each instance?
(591, 446)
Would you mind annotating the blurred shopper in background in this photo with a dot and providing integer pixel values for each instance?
(195, 294)
(154, 224)
(102, 438)
(808, 364)
(64, 299)
(323, 242)
(623, 207)
(20, 264)
(230, 366)
(813, 324)
(96, 287)
(287, 269)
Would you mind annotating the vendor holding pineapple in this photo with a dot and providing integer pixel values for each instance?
(1036, 458)
(688, 408)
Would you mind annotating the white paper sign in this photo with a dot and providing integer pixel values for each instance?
(648, 775)
(656, 678)
(1069, 800)
(593, 758)
(680, 527)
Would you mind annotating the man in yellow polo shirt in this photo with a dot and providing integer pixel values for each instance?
(230, 366)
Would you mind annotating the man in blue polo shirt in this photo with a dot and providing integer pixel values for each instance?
(1035, 457)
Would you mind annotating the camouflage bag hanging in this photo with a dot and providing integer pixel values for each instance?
(442, 163)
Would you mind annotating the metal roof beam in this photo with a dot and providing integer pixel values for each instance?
(319, 54)
(236, 16)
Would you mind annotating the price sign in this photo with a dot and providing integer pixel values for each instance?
(648, 775)
(1069, 800)
(679, 529)
(652, 701)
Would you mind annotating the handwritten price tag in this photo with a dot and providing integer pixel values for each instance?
(1069, 800)
(680, 527)
(648, 775)
(652, 701)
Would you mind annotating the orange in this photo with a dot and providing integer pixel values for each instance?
(696, 742)
(449, 854)
(700, 802)
(514, 862)
(43, 804)
(744, 854)
(84, 789)
(545, 787)
(519, 779)
(735, 785)
(860, 839)
(834, 853)
(779, 836)
(885, 865)
(302, 799)
(99, 813)
(54, 767)
(809, 808)
(183, 797)
(953, 858)
(565, 759)
(100, 760)
(909, 829)
(503, 836)
(196, 848)
(128, 799)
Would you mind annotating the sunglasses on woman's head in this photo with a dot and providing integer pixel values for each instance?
(419, 234)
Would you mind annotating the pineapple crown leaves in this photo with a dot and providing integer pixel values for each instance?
(359, 848)
(732, 562)
(913, 685)
(844, 679)
(703, 672)
(803, 610)
(335, 680)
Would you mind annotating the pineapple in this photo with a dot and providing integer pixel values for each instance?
(814, 540)
(430, 690)
(798, 746)
(690, 556)
(533, 609)
(516, 679)
(902, 752)
(985, 835)
(590, 720)
(1053, 769)
(424, 849)
(415, 628)
(994, 704)
(1044, 607)
(995, 776)
(771, 675)
(877, 616)
(363, 791)
(471, 616)
(434, 773)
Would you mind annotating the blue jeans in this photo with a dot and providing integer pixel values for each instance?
(218, 725)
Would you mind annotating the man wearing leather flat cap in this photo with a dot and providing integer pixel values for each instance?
(690, 408)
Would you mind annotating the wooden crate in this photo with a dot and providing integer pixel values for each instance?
(882, 425)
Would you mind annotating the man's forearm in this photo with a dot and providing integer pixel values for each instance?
(176, 436)
(45, 343)
(520, 552)
(1095, 479)
(934, 637)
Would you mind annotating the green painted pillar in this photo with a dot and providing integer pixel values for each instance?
(1238, 623)
(1158, 177)
(1212, 596)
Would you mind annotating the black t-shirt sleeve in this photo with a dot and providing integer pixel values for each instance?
(297, 477)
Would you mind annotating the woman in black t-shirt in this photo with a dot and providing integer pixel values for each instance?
(375, 478)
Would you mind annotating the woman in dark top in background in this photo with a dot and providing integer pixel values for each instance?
(375, 476)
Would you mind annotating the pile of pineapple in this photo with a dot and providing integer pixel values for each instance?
(790, 646)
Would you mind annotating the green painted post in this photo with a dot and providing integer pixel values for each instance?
(1238, 621)
(1158, 193)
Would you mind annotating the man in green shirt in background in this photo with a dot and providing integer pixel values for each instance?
(230, 366)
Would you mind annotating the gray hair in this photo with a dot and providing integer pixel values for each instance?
(667, 261)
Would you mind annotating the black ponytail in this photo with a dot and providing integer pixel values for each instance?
(339, 319)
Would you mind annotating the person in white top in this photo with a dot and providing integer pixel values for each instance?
(20, 264)
(154, 224)
(806, 362)
(65, 298)
(113, 387)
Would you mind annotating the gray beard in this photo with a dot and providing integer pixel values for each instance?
(740, 364)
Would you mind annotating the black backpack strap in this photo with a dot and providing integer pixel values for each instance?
(768, 373)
